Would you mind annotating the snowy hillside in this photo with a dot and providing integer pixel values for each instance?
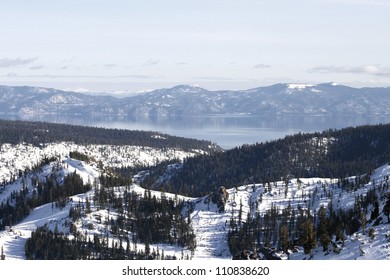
(23, 165)
(15, 158)
(13, 240)
(210, 223)
(212, 227)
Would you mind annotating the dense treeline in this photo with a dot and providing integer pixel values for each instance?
(20, 203)
(332, 153)
(37, 133)
(304, 226)
(45, 244)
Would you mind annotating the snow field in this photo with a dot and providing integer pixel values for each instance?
(210, 226)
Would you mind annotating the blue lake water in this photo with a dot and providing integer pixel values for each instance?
(227, 131)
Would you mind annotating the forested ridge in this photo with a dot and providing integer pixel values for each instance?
(308, 227)
(38, 133)
(331, 153)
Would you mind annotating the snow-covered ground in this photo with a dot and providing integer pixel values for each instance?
(14, 158)
(14, 240)
(210, 226)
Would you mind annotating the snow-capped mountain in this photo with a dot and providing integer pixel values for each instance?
(190, 100)
(34, 100)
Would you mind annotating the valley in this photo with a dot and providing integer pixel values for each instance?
(109, 215)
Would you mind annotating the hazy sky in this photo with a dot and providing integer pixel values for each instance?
(108, 45)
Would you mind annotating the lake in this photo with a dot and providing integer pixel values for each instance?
(228, 131)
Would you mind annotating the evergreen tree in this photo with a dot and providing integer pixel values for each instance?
(322, 232)
(375, 212)
(386, 208)
(364, 221)
(2, 256)
(284, 241)
(308, 238)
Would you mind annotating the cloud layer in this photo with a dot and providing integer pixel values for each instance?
(375, 70)
(12, 62)
(261, 66)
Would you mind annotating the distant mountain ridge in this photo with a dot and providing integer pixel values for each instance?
(185, 100)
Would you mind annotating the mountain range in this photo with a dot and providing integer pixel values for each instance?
(185, 100)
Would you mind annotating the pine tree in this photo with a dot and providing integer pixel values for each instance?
(284, 242)
(375, 212)
(386, 208)
(308, 238)
(2, 256)
(364, 221)
(322, 232)
(240, 214)
(147, 247)
(88, 206)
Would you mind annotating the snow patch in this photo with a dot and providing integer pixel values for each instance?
(299, 86)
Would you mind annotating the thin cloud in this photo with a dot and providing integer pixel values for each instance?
(151, 62)
(79, 76)
(73, 58)
(358, 2)
(36, 67)
(134, 76)
(214, 78)
(365, 69)
(261, 66)
(12, 62)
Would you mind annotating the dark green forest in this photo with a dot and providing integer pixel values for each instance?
(45, 244)
(332, 153)
(40, 133)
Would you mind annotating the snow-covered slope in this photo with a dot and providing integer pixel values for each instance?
(19, 159)
(13, 240)
(210, 225)
(15, 158)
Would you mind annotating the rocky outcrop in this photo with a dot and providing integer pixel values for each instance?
(220, 197)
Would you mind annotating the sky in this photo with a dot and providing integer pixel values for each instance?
(133, 45)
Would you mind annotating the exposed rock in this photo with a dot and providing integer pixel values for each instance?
(220, 197)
